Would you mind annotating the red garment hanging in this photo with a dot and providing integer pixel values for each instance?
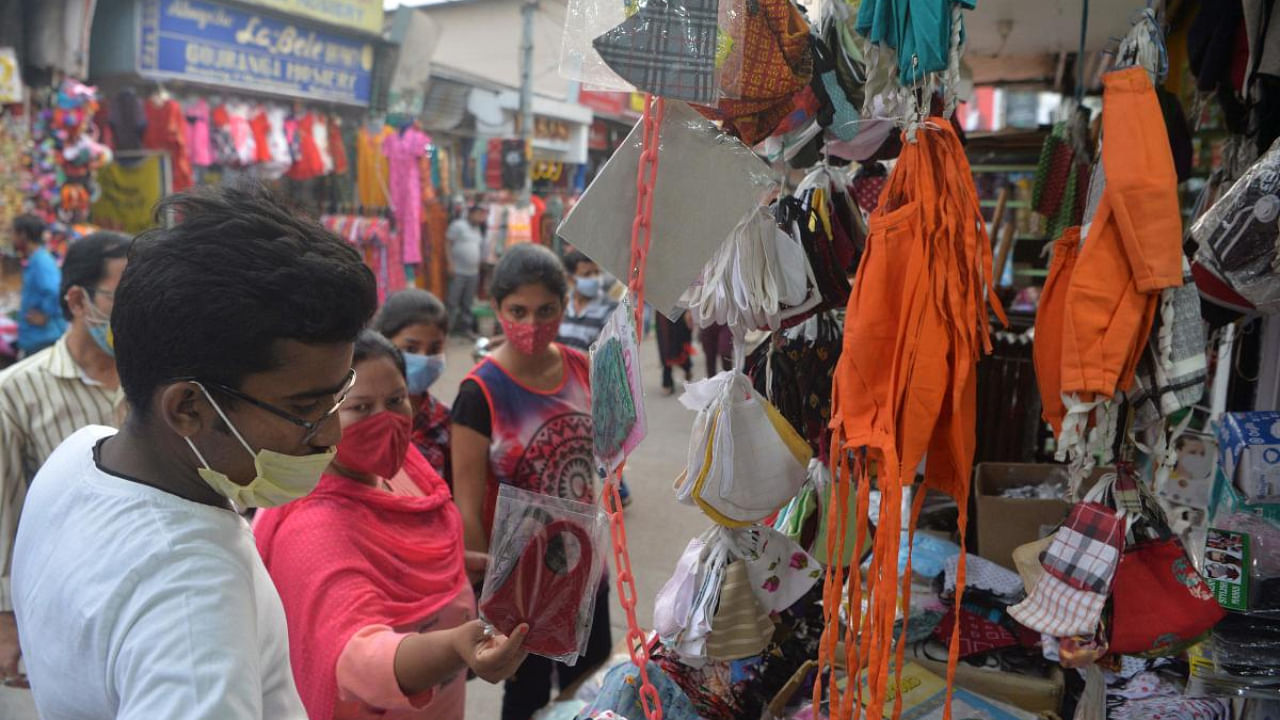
(167, 130)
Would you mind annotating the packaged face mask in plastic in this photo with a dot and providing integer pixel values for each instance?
(545, 564)
(1238, 235)
(617, 391)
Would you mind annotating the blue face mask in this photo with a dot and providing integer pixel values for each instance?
(422, 370)
(588, 287)
(99, 325)
(101, 334)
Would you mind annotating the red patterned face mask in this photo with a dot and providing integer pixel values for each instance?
(530, 338)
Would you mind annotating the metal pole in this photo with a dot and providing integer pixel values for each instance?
(527, 10)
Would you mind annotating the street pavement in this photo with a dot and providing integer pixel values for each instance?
(657, 526)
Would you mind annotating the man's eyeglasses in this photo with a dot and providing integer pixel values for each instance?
(311, 426)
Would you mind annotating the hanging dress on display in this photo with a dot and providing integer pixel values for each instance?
(372, 168)
(167, 130)
(198, 147)
(403, 149)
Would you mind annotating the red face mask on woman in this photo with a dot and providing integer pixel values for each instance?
(376, 444)
(530, 338)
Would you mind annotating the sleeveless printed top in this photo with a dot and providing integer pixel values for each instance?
(540, 441)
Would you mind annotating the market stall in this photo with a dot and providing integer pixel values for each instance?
(1006, 451)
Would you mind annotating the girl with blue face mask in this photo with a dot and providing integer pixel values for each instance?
(416, 322)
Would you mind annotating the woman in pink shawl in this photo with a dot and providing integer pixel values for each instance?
(370, 567)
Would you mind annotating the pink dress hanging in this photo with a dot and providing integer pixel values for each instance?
(403, 149)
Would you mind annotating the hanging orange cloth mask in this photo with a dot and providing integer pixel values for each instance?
(1133, 247)
(1047, 350)
(905, 386)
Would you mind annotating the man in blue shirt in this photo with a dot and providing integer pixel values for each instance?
(40, 320)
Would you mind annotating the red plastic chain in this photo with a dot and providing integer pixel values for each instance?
(641, 233)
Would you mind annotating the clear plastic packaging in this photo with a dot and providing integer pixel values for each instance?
(617, 392)
(546, 560)
(1240, 235)
(707, 180)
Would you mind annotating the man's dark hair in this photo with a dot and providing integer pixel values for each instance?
(29, 226)
(373, 344)
(209, 296)
(528, 264)
(575, 258)
(86, 262)
(412, 306)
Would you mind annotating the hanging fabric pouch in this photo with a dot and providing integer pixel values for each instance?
(544, 569)
(617, 391)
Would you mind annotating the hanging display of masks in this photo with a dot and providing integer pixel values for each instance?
(906, 382)
(745, 459)
(617, 392)
(758, 278)
(764, 71)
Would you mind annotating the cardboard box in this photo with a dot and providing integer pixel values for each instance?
(1249, 450)
(1002, 524)
(1025, 692)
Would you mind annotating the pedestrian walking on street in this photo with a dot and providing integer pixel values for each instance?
(465, 245)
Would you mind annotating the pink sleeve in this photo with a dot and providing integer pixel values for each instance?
(367, 671)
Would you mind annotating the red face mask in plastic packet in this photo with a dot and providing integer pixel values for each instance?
(376, 444)
(530, 338)
(544, 593)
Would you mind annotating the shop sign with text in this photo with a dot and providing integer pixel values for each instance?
(362, 15)
(215, 44)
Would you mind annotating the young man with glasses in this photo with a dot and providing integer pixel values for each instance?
(50, 395)
(138, 588)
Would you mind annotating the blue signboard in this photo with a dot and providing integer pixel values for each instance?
(220, 45)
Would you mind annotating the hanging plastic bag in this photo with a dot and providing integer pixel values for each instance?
(544, 570)
(752, 461)
(672, 48)
(617, 391)
(1240, 235)
(764, 71)
(584, 20)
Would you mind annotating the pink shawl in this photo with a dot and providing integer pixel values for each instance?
(348, 556)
